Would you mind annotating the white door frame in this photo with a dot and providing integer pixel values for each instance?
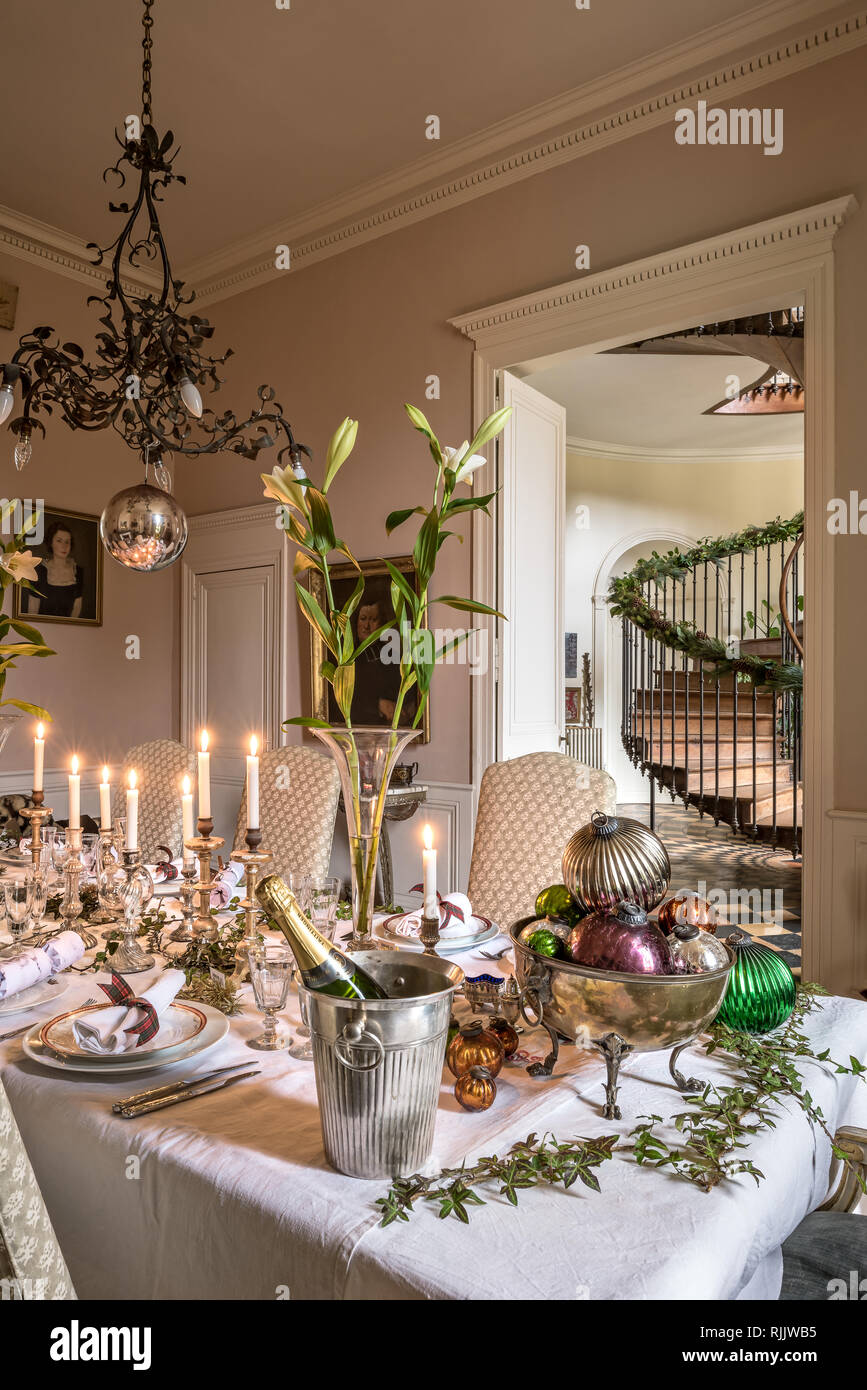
(784, 260)
(605, 628)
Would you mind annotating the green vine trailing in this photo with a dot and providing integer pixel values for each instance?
(627, 600)
(715, 1131)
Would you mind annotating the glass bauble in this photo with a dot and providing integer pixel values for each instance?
(506, 1033)
(475, 1090)
(143, 528)
(761, 988)
(621, 940)
(614, 860)
(688, 908)
(474, 1046)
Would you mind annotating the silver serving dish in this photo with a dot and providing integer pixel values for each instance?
(615, 1012)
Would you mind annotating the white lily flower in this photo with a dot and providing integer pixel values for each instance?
(21, 564)
(468, 466)
(282, 486)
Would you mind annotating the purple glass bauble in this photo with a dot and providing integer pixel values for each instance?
(621, 939)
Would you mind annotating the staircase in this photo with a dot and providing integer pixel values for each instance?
(729, 745)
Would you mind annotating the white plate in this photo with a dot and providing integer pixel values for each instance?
(216, 1028)
(37, 994)
(180, 1023)
(446, 944)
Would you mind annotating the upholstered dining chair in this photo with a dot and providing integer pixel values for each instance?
(298, 792)
(31, 1263)
(160, 766)
(528, 809)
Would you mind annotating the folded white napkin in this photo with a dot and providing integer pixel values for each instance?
(104, 1032)
(39, 962)
(410, 924)
(225, 883)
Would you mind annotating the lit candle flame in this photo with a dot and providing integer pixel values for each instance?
(74, 764)
(40, 730)
(204, 740)
(254, 745)
(132, 781)
(105, 775)
(428, 837)
(186, 786)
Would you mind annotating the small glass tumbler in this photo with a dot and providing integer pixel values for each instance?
(271, 969)
(18, 893)
(323, 895)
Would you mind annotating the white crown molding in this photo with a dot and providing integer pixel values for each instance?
(235, 517)
(27, 239)
(795, 236)
(627, 102)
(438, 183)
(637, 453)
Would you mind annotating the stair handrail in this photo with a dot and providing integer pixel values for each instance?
(626, 600)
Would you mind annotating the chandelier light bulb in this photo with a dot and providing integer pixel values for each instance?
(23, 450)
(191, 397)
(7, 400)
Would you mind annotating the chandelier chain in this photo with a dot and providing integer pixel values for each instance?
(146, 67)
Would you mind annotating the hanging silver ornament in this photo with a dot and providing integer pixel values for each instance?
(143, 528)
(612, 860)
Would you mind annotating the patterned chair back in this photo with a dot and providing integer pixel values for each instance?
(528, 809)
(31, 1263)
(160, 766)
(298, 793)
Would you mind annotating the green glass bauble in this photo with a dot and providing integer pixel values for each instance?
(545, 943)
(557, 901)
(761, 990)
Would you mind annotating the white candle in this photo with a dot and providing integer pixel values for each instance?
(187, 817)
(132, 813)
(105, 801)
(74, 797)
(429, 875)
(253, 786)
(38, 757)
(204, 779)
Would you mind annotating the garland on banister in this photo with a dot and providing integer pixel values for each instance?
(627, 600)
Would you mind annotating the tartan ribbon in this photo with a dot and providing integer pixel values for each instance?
(119, 992)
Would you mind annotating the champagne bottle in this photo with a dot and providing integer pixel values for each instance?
(323, 968)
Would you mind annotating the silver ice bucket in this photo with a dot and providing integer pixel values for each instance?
(379, 1062)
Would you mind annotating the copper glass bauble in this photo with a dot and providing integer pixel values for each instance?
(475, 1090)
(688, 908)
(761, 988)
(506, 1033)
(475, 1046)
(143, 528)
(614, 860)
(622, 940)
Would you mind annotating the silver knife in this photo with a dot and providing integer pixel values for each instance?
(132, 1112)
(157, 1092)
(4, 1037)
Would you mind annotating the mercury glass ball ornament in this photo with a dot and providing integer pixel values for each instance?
(760, 994)
(621, 939)
(614, 860)
(143, 528)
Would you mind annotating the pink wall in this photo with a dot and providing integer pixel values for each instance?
(359, 333)
(101, 702)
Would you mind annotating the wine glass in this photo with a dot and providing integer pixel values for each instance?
(18, 893)
(271, 967)
(323, 895)
(302, 1050)
(89, 847)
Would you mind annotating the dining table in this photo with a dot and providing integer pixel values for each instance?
(229, 1195)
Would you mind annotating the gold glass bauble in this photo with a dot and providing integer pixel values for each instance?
(476, 1089)
(475, 1046)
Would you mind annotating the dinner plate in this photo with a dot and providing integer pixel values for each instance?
(180, 1023)
(36, 994)
(386, 931)
(216, 1027)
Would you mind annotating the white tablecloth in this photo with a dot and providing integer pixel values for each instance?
(229, 1196)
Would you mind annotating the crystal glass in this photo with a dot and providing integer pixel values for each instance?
(18, 893)
(323, 895)
(302, 1051)
(89, 847)
(49, 833)
(38, 885)
(365, 759)
(271, 967)
(59, 849)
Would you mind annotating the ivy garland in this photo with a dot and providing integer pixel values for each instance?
(627, 600)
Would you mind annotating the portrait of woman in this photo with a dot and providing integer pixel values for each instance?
(68, 586)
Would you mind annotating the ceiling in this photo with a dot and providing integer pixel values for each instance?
(655, 404)
(277, 110)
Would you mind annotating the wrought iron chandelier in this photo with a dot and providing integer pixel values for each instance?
(150, 362)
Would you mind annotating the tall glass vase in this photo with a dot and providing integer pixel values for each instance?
(365, 759)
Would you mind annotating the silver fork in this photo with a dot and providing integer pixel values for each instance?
(492, 955)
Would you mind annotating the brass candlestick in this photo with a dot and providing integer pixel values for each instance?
(254, 861)
(189, 874)
(37, 814)
(137, 893)
(429, 934)
(203, 846)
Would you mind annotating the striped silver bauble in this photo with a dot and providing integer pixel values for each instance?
(612, 860)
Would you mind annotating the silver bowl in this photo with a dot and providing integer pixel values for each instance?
(615, 1012)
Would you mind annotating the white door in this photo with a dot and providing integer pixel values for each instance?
(530, 700)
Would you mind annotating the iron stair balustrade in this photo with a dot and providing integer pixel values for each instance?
(749, 738)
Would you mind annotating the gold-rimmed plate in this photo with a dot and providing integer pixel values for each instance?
(139, 1061)
(179, 1024)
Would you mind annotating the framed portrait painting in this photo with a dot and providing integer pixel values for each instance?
(68, 586)
(377, 671)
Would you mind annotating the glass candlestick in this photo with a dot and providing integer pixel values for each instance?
(110, 904)
(189, 873)
(203, 846)
(70, 903)
(137, 893)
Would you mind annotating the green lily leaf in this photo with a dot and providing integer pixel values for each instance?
(395, 519)
(36, 710)
(321, 525)
(304, 721)
(425, 549)
(468, 605)
(316, 618)
(344, 688)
